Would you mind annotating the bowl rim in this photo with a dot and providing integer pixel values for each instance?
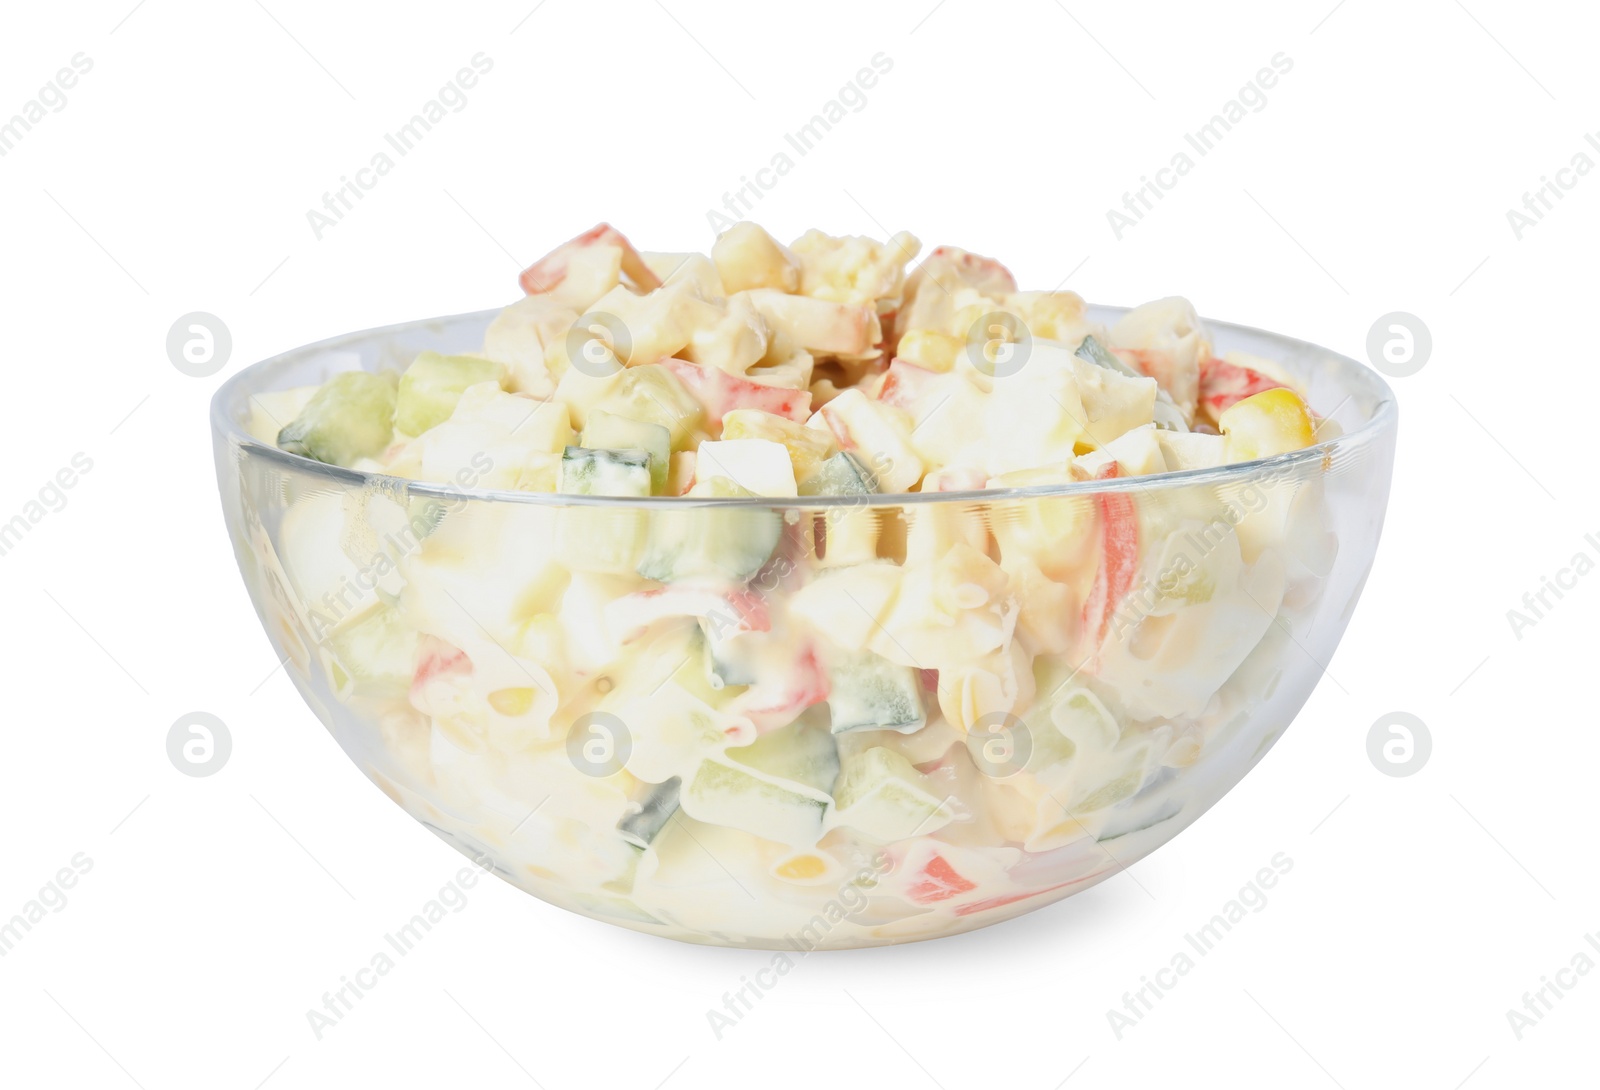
(1384, 415)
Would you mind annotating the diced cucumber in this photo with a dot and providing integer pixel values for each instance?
(730, 544)
(608, 431)
(842, 474)
(1110, 793)
(1153, 805)
(880, 794)
(586, 472)
(1101, 356)
(730, 661)
(868, 692)
(803, 752)
(737, 796)
(433, 384)
(350, 418)
(696, 674)
(1168, 417)
(374, 657)
(655, 809)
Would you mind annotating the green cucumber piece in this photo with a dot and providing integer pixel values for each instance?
(1167, 417)
(433, 384)
(374, 657)
(656, 808)
(586, 472)
(350, 418)
(868, 692)
(608, 431)
(803, 752)
(841, 474)
(1092, 351)
(736, 795)
(731, 544)
(880, 794)
(728, 666)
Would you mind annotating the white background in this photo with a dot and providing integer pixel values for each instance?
(1377, 178)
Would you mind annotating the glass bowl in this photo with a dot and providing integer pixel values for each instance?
(833, 722)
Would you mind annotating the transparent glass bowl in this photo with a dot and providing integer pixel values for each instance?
(666, 761)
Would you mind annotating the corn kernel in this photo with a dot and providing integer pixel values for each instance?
(511, 702)
(799, 868)
(1265, 424)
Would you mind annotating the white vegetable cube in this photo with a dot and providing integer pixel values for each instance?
(1191, 449)
(655, 325)
(760, 466)
(818, 325)
(492, 440)
(520, 337)
(1136, 453)
(271, 411)
(747, 257)
(1169, 344)
(853, 269)
(673, 731)
(1034, 417)
(846, 603)
(590, 272)
(734, 341)
(697, 270)
(879, 434)
(1112, 403)
(724, 793)
(881, 795)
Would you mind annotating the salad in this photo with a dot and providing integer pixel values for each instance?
(727, 722)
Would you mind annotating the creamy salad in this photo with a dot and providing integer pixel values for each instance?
(722, 722)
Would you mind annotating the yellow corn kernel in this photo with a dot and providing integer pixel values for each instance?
(512, 702)
(808, 447)
(799, 868)
(930, 349)
(1265, 424)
